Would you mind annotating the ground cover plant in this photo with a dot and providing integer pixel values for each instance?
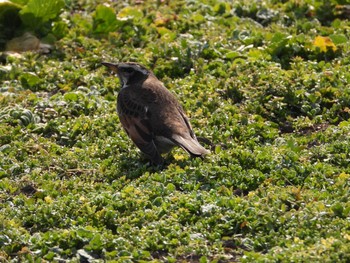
(266, 81)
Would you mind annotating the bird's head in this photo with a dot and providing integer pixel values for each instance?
(128, 72)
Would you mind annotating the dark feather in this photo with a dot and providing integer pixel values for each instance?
(151, 114)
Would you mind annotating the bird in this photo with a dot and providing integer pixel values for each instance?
(151, 115)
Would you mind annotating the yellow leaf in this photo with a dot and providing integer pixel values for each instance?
(179, 157)
(324, 43)
(129, 13)
(163, 30)
(48, 199)
(24, 250)
(344, 176)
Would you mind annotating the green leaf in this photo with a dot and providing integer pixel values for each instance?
(166, 34)
(171, 187)
(71, 96)
(85, 234)
(203, 259)
(338, 209)
(60, 29)
(220, 8)
(344, 124)
(30, 79)
(8, 16)
(96, 242)
(50, 256)
(6, 5)
(217, 149)
(37, 12)
(338, 39)
(104, 20)
(197, 17)
(279, 37)
(20, 2)
(232, 55)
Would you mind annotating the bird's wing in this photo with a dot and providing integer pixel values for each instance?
(190, 145)
(187, 122)
(186, 138)
(179, 128)
(135, 120)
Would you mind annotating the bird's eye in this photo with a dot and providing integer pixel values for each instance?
(128, 70)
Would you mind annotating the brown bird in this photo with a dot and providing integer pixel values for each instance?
(151, 115)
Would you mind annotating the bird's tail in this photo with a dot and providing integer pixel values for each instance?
(191, 145)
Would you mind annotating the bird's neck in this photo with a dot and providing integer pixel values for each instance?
(135, 81)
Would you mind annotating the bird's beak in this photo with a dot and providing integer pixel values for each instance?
(112, 66)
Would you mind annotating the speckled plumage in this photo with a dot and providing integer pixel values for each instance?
(151, 114)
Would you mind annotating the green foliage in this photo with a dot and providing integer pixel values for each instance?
(266, 82)
(36, 16)
(104, 20)
(9, 20)
(37, 12)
